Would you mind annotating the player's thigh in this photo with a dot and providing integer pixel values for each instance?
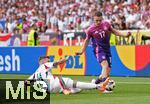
(54, 85)
(104, 59)
(68, 82)
(106, 62)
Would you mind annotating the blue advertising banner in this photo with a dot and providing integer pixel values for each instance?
(126, 60)
(20, 60)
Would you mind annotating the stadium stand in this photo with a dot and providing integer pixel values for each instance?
(57, 16)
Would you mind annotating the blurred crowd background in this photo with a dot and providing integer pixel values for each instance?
(56, 16)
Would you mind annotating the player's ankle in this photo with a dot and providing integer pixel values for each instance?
(103, 79)
(106, 81)
(97, 81)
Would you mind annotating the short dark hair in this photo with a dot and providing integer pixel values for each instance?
(98, 14)
(43, 57)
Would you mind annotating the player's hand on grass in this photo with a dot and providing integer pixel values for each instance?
(66, 91)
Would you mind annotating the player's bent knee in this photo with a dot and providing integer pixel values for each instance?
(104, 64)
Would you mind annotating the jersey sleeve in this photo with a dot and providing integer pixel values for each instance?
(109, 26)
(88, 33)
(49, 65)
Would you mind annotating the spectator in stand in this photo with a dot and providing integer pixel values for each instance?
(33, 39)
(49, 30)
(65, 13)
(1, 28)
(145, 14)
(26, 26)
(86, 23)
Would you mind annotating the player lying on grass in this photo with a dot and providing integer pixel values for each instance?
(61, 84)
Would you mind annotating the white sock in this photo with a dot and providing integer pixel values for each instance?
(83, 85)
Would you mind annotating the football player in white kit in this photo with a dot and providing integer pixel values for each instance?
(57, 84)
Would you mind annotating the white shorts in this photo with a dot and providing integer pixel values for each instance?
(54, 84)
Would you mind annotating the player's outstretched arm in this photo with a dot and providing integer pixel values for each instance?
(118, 33)
(86, 42)
(61, 61)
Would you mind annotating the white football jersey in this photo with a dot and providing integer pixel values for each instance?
(43, 71)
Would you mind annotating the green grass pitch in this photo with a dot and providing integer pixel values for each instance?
(128, 90)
